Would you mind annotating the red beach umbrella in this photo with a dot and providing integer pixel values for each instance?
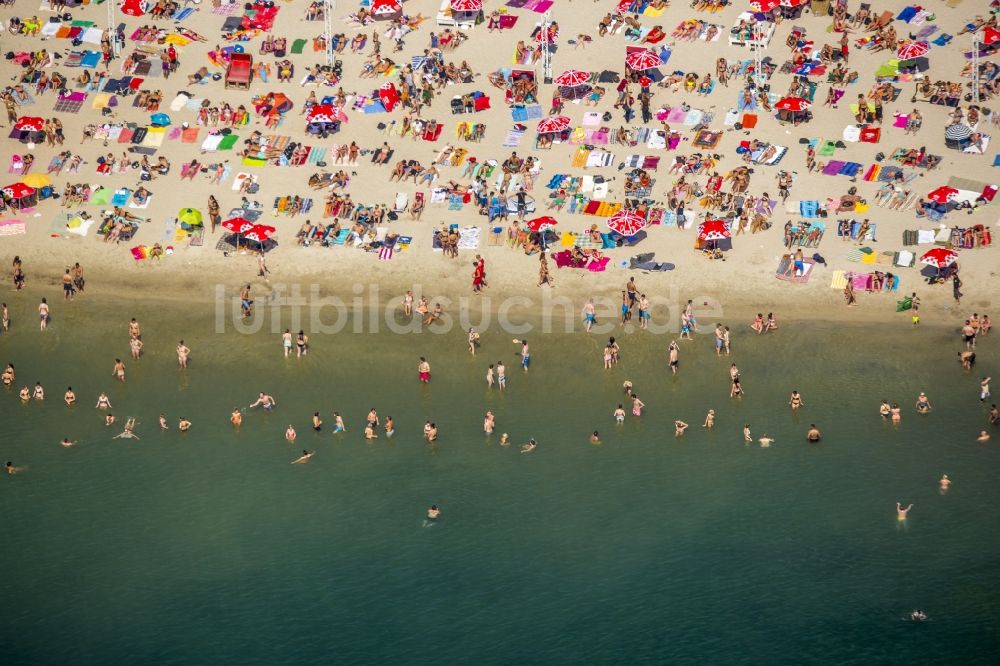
(943, 194)
(713, 230)
(939, 257)
(18, 191)
(572, 78)
(913, 50)
(990, 36)
(382, 7)
(642, 60)
(389, 96)
(623, 6)
(793, 104)
(134, 7)
(322, 113)
(238, 225)
(466, 5)
(627, 222)
(540, 222)
(259, 233)
(553, 124)
(764, 5)
(31, 123)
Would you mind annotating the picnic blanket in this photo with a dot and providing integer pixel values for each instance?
(782, 272)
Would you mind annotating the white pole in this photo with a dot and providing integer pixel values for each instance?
(328, 8)
(975, 67)
(546, 56)
(113, 25)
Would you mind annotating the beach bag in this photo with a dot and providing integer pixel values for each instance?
(253, 188)
(904, 304)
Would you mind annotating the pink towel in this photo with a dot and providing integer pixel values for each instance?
(900, 121)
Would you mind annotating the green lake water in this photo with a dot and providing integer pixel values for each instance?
(209, 547)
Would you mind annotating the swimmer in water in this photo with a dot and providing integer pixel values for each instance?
(38, 393)
(67, 443)
(109, 419)
(795, 401)
(338, 423)
(983, 436)
(128, 432)
(119, 370)
(236, 418)
(265, 401)
(183, 425)
(69, 397)
(944, 484)
(530, 446)
(901, 512)
(489, 422)
(627, 387)
(25, 393)
(304, 458)
(595, 438)
(896, 414)
(813, 435)
(103, 401)
(12, 469)
(884, 409)
(370, 431)
(432, 433)
(504, 439)
(317, 422)
(424, 371)
(918, 616)
(620, 415)
(746, 433)
(433, 512)
(679, 428)
(709, 420)
(765, 441)
(290, 434)
(923, 404)
(390, 427)
(163, 422)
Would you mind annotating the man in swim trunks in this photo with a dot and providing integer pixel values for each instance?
(813, 435)
(424, 371)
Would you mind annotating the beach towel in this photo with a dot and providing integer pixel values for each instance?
(12, 227)
(839, 280)
(71, 103)
(783, 265)
(833, 167)
(297, 46)
(189, 135)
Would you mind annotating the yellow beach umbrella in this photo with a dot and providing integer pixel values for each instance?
(36, 180)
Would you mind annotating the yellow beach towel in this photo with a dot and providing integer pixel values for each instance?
(839, 280)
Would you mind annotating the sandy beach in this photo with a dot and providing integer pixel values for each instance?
(744, 282)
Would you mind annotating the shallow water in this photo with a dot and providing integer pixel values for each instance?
(209, 547)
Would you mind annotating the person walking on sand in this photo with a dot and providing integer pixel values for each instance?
(849, 296)
(589, 315)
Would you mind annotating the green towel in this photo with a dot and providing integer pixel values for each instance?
(828, 149)
(298, 45)
(101, 197)
(228, 142)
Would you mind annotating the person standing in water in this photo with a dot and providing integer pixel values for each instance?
(501, 375)
(433, 512)
(236, 418)
(813, 434)
(489, 376)
(984, 389)
(286, 342)
(901, 512)
(69, 397)
(119, 370)
(944, 484)
(795, 401)
(489, 423)
(679, 428)
(709, 420)
(637, 406)
(290, 434)
(674, 355)
(43, 315)
(525, 355)
(746, 433)
(923, 404)
(424, 371)
(182, 355)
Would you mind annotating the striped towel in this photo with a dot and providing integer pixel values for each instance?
(385, 254)
(12, 228)
(839, 280)
(513, 138)
(317, 154)
(854, 255)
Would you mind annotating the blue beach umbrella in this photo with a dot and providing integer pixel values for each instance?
(160, 119)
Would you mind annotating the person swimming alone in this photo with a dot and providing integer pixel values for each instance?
(304, 458)
(813, 435)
